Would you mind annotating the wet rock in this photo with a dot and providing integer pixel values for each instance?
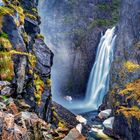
(74, 135)
(104, 114)
(79, 127)
(81, 119)
(108, 123)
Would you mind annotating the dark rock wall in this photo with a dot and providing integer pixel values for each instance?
(29, 59)
(123, 96)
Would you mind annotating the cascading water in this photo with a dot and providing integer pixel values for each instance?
(99, 77)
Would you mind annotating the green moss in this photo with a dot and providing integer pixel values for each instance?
(4, 35)
(99, 22)
(40, 36)
(131, 66)
(130, 112)
(6, 66)
(132, 90)
(20, 11)
(25, 37)
(49, 83)
(6, 10)
(5, 44)
(39, 88)
(34, 10)
(112, 8)
(31, 16)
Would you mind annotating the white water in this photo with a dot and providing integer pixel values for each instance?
(99, 77)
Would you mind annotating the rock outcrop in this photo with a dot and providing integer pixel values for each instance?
(25, 60)
(123, 97)
(26, 108)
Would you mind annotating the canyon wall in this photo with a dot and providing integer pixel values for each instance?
(123, 97)
(74, 29)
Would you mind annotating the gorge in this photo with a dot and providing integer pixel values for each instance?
(69, 69)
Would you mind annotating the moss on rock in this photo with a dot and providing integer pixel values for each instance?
(39, 88)
(131, 66)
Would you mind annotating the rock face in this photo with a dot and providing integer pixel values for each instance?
(25, 60)
(124, 95)
(74, 135)
(74, 30)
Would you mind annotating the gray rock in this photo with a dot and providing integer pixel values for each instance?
(4, 83)
(108, 123)
(104, 114)
(6, 91)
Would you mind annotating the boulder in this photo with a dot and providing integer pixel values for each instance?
(81, 119)
(74, 135)
(79, 127)
(108, 123)
(6, 91)
(104, 114)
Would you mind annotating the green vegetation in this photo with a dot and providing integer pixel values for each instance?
(112, 8)
(131, 66)
(25, 37)
(4, 35)
(49, 83)
(132, 91)
(6, 10)
(31, 16)
(39, 88)
(40, 36)
(6, 66)
(5, 44)
(130, 112)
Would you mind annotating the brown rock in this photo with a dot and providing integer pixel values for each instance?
(20, 133)
(13, 108)
(8, 127)
(74, 135)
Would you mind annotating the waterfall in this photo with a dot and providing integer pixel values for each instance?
(99, 77)
(98, 83)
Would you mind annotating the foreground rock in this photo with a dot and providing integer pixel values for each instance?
(104, 114)
(74, 135)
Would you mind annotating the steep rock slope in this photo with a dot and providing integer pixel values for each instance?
(25, 59)
(124, 95)
(26, 108)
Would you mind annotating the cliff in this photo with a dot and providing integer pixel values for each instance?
(123, 97)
